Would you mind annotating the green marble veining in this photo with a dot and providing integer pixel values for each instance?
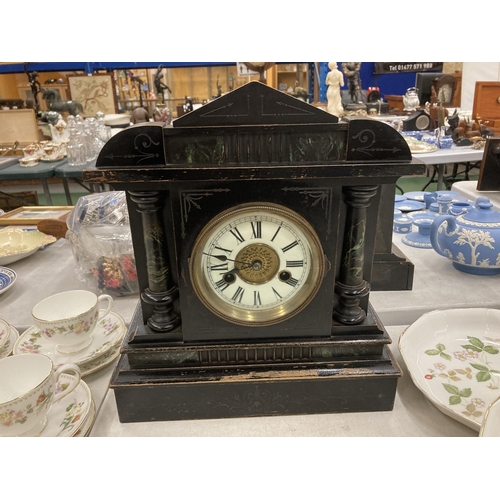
(354, 256)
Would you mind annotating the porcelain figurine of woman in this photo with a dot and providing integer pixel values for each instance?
(334, 80)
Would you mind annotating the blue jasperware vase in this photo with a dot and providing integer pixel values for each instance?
(470, 240)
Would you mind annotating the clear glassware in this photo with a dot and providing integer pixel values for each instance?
(103, 131)
(75, 149)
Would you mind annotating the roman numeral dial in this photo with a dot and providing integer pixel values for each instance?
(256, 264)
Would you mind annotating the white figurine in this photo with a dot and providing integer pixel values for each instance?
(334, 80)
(59, 131)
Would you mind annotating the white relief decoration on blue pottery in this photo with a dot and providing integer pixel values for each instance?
(471, 240)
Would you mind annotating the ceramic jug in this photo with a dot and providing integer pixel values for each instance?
(410, 99)
(470, 240)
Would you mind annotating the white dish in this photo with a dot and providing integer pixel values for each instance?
(415, 195)
(409, 205)
(16, 244)
(108, 332)
(7, 348)
(417, 146)
(67, 415)
(4, 332)
(102, 361)
(491, 422)
(87, 424)
(7, 278)
(453, 356)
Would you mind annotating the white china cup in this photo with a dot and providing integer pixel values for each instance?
(28, 388)
(69, 318)
(4, 332)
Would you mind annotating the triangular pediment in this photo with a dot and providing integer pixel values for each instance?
(254, 104)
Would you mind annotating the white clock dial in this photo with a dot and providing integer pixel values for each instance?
(257, 264)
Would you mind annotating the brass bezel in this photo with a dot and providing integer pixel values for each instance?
(257, 318)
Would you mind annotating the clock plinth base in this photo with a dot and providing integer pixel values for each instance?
(392, 271)
(181, 381)
(156, 395)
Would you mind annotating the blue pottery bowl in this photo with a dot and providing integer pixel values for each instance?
(402, 225)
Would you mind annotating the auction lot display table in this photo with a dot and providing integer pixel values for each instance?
(442, 157)
(413, 415)
(469, 190)
(437, 284)
(47, 272)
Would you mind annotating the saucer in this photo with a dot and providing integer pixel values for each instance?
(107, 333)
(67, 415)
(416, 195)
(88, 422)
(7, 278)
(4, 332)
(7, 348)
(409, 205)
(102, 361)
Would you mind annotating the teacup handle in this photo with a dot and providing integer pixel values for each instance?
(104, 313)
(74, 370)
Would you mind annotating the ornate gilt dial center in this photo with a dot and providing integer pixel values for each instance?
(257, 263)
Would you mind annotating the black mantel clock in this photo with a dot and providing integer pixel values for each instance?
(254, 220)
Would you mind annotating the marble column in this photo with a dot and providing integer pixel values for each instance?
(350, 286)
(161, 291)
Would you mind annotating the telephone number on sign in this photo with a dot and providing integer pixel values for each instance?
(410, 67)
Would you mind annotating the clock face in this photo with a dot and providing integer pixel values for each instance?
(257, 264)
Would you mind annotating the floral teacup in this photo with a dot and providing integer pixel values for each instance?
(69, 318)
(4, 332)
(28, 388)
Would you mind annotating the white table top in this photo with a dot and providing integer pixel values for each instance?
(46, 272)
(468, 189)
(436, 284)
(453, 155)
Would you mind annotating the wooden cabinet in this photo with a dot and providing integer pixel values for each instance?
(486, 107)
(288, 76)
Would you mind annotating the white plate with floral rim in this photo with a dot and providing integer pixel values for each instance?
(453, 356)
(491, 422)
(4, 331)
(106, 334)
(87, 424)
(102, 361)
(7, 348)
(7, 278)
(67, 415)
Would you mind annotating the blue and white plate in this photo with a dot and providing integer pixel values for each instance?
(415, 195)
(409, 205)
(399, 197)
(7, 278)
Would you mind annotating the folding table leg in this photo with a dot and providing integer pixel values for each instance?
(67, 191)
(48, 197)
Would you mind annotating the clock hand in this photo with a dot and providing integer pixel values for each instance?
(223, 258)
(236, 270)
